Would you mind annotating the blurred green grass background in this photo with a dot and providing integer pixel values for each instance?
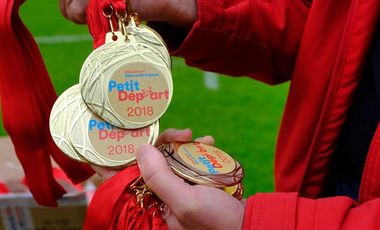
(243, 115)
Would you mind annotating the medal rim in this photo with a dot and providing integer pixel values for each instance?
(196, 177)
(71, 92)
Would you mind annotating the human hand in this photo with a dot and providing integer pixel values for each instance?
(169, 135)
(188, 206)
(176, 12)
(74, 10)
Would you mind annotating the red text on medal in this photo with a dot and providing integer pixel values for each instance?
(121, 149)
(121, 134)
(139, 96)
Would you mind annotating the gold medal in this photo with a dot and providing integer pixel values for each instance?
(146, 35)
(203, 164)
(170, 151)
(125, 87)
(101, 143)
(128, 84)
(60, 118)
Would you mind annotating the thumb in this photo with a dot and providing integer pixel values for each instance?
(159, 177)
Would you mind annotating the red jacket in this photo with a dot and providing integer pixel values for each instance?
(321, 47)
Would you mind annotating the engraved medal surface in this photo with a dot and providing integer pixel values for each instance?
(203, 164)
(60, 119)
(103, 144)
(127, 84)
(146, 35)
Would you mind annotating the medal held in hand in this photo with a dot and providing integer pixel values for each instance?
(203, 164)
(125, 87)
(85, 137)
(127, 81)
(101, 143)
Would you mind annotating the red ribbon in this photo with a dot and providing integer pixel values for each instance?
(3, 188)
(117, 5)
(98, 23)
(27, 97)
(114, 206)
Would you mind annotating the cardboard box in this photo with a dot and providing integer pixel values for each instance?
(18, 210)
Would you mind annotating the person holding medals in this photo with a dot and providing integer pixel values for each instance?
(326, 166)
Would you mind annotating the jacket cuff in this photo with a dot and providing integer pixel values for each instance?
(204, 32)
(271, 211)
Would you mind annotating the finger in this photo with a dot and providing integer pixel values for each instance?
(171, 220)
(104, 173)
(173, 223)
(159, 177)
(209, 140)
(77, 11)
(74, 10)
(171, 135)
(62, 6)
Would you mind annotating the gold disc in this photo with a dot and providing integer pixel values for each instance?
(60, 119)
(145, 34)
(101, 143)
(203, 164)
(127, 84)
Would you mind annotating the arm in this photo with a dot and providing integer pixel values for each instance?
(259, 39)
(202, 207)
(288, 211)
(236, 37)
(209, 208)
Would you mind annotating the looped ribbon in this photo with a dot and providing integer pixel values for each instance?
(115, 205)
(99, 12)
(118, 6)
(97, 23)
(27, 96)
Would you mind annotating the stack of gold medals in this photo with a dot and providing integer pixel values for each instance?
(203, 164)
(125, 86)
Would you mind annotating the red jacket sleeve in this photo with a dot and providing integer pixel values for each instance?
(288, 211)
(242, 37)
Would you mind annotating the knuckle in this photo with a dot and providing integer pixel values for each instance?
(169, 132)
(166, 136)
